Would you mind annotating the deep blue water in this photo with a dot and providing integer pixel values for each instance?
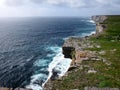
(28, 45)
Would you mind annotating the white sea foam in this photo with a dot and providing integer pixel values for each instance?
(93, 32)
(63, 66)
(58, 63)
(91, 21)
(35, 81)
(34, 87)
(55, 49)
(88, 20)
(87, 34)
(41, 62)
(50, 55)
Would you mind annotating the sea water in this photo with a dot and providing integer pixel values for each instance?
(30, 48)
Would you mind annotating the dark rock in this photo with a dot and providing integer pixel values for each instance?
(72, 68)
(67, 51)
(54, 74)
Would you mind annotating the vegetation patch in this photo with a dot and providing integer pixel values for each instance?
(107, 69)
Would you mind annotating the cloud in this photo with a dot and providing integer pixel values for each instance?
(68, 3)
(14, 2)
(109, 2)
(58, 7)
(37, 1)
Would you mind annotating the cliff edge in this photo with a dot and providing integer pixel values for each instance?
(73, 44)
(100, 24)
(95, 58)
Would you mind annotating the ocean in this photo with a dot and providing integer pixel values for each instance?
(31, 47)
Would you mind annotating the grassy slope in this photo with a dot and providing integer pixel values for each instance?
(108, 70)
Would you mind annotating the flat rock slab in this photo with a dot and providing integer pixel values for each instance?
(95, 88)
(6, 89)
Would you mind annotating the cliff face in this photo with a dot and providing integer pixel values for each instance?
(77, 44)
(100, 26)
(99, 19)
(95, 58)
(67, 51)
(70, 46)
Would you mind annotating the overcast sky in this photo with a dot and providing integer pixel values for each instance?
(28, 8)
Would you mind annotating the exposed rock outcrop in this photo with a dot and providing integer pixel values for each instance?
(99, 18)
(100, 26)
(83, 48)
(77, 45)
(67, 51)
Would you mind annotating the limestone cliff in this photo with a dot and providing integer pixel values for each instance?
(100, 25)
(78, 44)
(95, 57)
(69, 47)
(99, 18)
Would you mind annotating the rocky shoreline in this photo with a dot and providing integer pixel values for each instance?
(78, 54)
(76, 49)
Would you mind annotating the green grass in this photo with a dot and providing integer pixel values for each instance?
(108, 71)
(111, 72)
(113, 26)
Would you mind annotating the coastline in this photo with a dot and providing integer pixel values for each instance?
(37, 77)
(49, 83)
(54, 74)
(80, 51)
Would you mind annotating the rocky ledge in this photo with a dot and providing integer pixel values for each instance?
(78, 52)
(81, 50)
(77, 45)
(74, 48)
